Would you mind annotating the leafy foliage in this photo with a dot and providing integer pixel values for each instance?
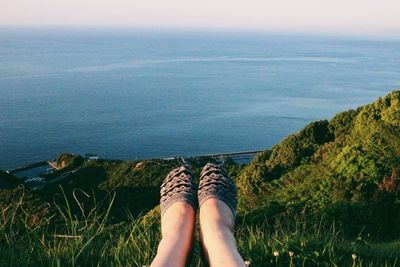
(67, 160)
(8, 181)
(332, 168)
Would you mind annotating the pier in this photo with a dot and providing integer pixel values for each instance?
(27, 167)
(238, 157)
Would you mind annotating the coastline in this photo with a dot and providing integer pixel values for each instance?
(241, 156)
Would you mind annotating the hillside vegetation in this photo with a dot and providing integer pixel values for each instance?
(346, 169)
(324, 193)
(7, 180)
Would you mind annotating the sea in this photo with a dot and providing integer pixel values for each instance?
(145, 93)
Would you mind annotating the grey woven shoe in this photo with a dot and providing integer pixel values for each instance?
(178, 186)
(216, 183)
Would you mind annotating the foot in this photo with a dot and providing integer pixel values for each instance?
(215, 183)
(218, 199)
(178, 203)
(178, 186)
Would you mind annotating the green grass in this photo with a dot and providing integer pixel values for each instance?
(87, 238)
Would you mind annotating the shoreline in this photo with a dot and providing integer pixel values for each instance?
(236, 156)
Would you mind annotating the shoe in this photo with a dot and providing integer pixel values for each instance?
(178, 186)
(216, 183)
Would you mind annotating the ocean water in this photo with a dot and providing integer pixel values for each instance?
(129, 94)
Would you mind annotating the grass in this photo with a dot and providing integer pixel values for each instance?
(88, 238)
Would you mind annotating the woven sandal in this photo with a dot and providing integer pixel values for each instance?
(178, 186)
(216, 183)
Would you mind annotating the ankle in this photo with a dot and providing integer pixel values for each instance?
(178, 219)
(220, 247)
(216, 232)
(216, 215)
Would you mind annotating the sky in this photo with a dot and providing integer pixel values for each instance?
(369, 17)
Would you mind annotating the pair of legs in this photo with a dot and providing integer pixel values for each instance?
(216, 234)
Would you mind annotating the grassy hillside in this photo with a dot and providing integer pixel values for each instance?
(346, 169)
(325, 193)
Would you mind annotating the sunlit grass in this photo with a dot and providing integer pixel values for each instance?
(87, 238)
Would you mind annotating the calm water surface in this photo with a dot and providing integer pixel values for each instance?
(134, 94)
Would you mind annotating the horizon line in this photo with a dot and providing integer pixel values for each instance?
(194, 29)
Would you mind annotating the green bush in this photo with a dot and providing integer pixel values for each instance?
(67, 160)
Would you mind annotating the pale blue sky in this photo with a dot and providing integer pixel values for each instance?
(369, 17)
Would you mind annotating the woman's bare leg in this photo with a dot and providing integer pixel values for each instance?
(216, 233)
(177, 225)
(178, 201)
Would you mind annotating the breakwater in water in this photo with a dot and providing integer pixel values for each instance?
(28, 167)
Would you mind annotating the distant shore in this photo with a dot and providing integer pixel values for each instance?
(240, 157)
